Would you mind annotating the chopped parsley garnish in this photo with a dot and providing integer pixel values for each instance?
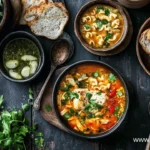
(117, 108)
(67, 115)
(73, 95)
(65, 89)
(99, 93)
(112, 77)
(87, 26)
(119, 93)
(98, 8)
(107, 11)
(88, 95)
(48, 108)
(100, 23)
(90, 116)
(1, 101)
(108, 36)
(95, 74)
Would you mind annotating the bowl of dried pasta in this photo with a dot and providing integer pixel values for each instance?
(101, 25)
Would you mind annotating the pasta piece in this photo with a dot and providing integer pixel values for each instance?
(105, 28)
(86, 19)
(104, 121)
(104, 17)
(115, 24)
(92, 81)
(79, 125)
(88, 35)
(93, 13)
(91, 42)
(101, 40)
(86, 29)
(114, 37)
(112, 16)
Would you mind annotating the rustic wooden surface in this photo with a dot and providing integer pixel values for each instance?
(137, 123)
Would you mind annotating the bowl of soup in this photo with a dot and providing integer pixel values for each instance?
(21, 57)
(101, 25)
(90, 99)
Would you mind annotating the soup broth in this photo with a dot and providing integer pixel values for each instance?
(102, 26)
(91, 98)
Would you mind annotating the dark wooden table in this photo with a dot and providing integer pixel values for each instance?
(137, 122)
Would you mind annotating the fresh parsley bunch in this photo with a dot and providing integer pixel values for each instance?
(14, 128)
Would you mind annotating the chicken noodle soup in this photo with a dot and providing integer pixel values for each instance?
(91, 99)
(102, 26)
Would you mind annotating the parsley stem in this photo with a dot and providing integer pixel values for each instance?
(24, 146)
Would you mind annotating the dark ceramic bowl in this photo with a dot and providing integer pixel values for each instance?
(89, 5)
(6, 14)
(64, 123)
(26, 35)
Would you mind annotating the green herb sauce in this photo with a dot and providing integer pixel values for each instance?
(17, 48)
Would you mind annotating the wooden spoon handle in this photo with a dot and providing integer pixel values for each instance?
(36, 104)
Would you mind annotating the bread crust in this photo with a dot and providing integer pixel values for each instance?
(26, 5)
(145, 35)
(38, 10)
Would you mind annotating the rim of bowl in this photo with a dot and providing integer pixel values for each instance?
(37, 43)
(88, 5)
(6, 12)
(61, 120)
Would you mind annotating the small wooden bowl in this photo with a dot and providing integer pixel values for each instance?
(89, 5)
(5, 18)
(133, 3)
(143, 58)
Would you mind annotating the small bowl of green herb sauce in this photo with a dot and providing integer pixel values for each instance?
(21, 57)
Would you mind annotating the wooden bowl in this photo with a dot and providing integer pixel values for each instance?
(133, 3)
(89, 5)
(5, 18)
(143, 58)
(16, 11)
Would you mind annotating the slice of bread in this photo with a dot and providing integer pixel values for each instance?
(29, 3)
(47, 20)
(145, 41)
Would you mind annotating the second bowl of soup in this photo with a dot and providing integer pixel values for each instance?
(101, 25)
(90, 99)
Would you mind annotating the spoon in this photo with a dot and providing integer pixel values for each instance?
(59, 54)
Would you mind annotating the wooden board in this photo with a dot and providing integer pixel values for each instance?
(47, 99)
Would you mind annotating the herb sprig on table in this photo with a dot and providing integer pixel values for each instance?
(15, 128)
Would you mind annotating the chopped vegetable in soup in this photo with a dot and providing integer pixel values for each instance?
(91, 99)
(102, 26)
(21, 58)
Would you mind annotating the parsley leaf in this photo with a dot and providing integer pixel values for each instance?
(30, 93)
(107, 12)
(1, 101)
(119, 93)
(108, 36)
(98, 8)
(48, 108)
(112, 77)
(99, 93)
(67, 115)
(73, 95)
(95, 74)
(87, 26)
(88, 95)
